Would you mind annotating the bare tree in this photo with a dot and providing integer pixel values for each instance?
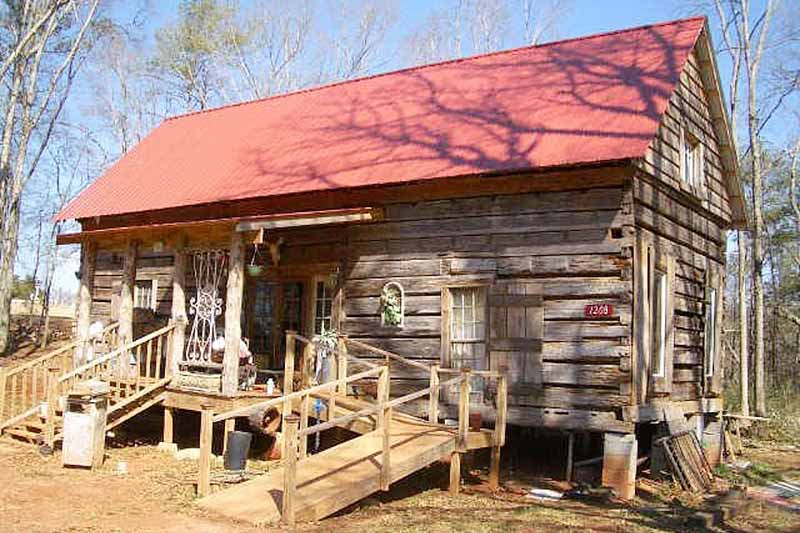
(469, 27)
(540, 19)
(753, 35)
(269, 46)
(732, 47)
(360, 29)
(189, 51)
(36, 86)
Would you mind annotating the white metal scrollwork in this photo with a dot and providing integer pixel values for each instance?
(206, 305)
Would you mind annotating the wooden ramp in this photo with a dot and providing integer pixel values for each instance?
(389, 445)
(337, 477)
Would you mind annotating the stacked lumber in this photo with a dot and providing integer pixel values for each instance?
(687, 462)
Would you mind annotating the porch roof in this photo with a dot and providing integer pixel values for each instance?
(572, 102)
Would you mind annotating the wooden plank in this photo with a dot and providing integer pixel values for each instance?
(125, 330)
(204, 461)
(233, 315)
(289, 499)
(178, 309)
(516, 300)
(88, 256)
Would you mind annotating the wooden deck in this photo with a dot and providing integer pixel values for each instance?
(339, 476)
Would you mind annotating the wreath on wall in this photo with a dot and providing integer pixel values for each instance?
(392, 304)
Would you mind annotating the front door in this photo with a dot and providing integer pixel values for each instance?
(275, 307)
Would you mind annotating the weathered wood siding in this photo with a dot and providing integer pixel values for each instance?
(108, 286)
(574, 245)
(686, 224)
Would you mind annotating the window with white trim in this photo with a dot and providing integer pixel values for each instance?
(692, 160)
(711, 332)
(144, 294)
(468, 327)
(659, 314)
(323, 305)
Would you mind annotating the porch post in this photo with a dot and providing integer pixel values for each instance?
(88, 254)
(619, 463)
(233, 312)
(178, 308)
(126, 296)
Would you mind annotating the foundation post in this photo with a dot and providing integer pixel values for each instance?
(167, 443)
(204, 462)
(712, 440)
(570, 455)
(619, 463)
(455, 473)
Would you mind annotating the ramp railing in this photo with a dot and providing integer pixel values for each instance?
(296, 429)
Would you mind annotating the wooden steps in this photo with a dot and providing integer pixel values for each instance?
(337, 477)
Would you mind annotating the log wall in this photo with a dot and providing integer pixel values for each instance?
(687, 224)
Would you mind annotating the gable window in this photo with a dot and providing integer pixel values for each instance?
(691, 160)
(711, 332)
(144, 294)
(659, 314)
(323, 305)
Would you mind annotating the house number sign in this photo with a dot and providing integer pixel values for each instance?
(598, 310)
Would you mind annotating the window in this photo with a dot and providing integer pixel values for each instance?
(467, 327)
(659, 314)
(323, 308)
(711, 332)
(692, 160)
(144, 294)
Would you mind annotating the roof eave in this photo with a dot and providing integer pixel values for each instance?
(721, 122)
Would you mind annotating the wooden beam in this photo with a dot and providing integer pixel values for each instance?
(386, 453)
(570, 455)
(127, 294)
(574, 178)
(169, 426)
(433, 400)
(233, 316)
(88, 255)
(315, 218)
(455, 473)
(290, 471)
(178, 307)
(463, 410)
(204, 461)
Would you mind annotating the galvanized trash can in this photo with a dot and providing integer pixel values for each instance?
(85, 424)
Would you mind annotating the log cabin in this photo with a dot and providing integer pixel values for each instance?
(557, 213)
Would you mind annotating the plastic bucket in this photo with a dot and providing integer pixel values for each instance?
(237, 450)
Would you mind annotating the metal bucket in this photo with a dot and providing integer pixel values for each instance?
(237, 450)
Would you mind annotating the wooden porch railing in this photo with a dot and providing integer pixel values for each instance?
(296, 429)
(24, 388)
(131, 371)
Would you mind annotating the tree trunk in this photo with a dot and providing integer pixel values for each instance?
(744, 356)
(9, 250)
(48, 288)
(758, 279)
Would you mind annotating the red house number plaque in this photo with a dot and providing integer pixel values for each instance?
(598, 310)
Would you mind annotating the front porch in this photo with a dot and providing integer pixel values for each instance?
(226, 290)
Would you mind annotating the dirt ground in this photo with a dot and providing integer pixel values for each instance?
(157, 494)
(38, 495)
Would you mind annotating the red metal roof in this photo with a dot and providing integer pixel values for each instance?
(578, 101)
